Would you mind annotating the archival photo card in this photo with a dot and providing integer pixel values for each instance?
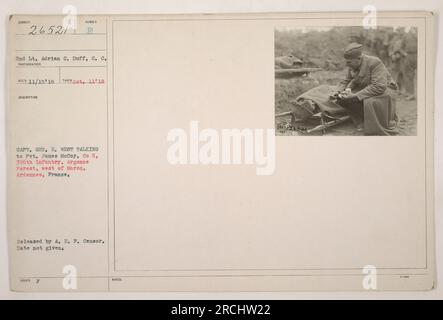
(221, 152)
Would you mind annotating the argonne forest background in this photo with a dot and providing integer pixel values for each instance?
(323, 48)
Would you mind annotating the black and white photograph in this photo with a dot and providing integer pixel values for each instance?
(346, 81)
(165, 153)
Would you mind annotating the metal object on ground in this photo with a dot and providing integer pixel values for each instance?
(291, 73)
(324, 123)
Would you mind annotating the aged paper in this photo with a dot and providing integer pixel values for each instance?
(172, 152)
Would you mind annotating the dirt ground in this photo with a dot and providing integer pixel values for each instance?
(287, 90)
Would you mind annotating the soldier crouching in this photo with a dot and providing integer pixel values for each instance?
(364, 93)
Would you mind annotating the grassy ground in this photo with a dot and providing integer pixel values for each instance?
(288, 89)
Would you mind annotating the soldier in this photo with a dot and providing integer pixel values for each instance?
(411, 63)
(398, 59)
(367, 77)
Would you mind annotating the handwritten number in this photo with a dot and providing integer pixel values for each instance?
(59, 30)
(33, 30)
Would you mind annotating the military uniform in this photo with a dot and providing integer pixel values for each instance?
(369, 79)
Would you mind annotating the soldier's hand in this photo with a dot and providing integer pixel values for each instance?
(350, 97)
(334, 95)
